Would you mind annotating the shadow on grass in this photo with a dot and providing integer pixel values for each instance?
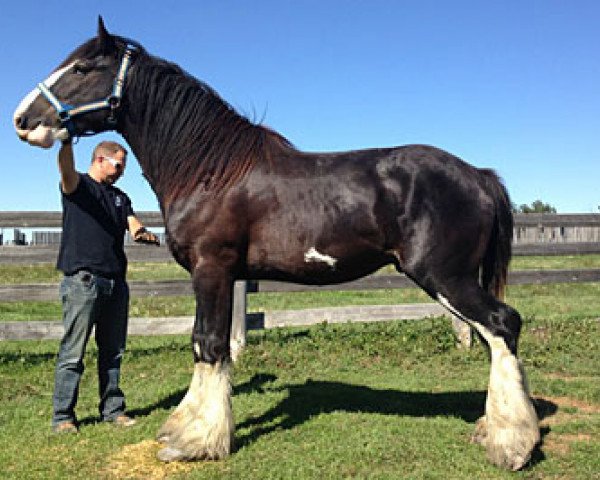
(312, 398)
(254, 385)
(133, 352)
(305, 400)
(317, 397)
(31, 359)
(166, 403)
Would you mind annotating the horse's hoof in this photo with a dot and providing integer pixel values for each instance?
(170, 454)
(163, 438)
(510, 457)
(510, 462)
(480, 434)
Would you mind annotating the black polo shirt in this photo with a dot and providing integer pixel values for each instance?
(94, 224)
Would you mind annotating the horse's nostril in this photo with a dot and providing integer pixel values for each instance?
(21, 122)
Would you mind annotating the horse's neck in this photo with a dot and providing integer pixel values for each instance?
(184, 144)
(145, 158)
(148, 129)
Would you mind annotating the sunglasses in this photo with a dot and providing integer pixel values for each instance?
(115, 163)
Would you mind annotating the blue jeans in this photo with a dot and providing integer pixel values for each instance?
(90, 300)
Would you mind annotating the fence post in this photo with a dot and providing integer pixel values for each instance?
(238, 323)
(462, 330)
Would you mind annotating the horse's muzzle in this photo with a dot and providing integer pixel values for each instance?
(40, 136)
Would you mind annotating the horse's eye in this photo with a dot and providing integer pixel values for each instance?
(81, 68)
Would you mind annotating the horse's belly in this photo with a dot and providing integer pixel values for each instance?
(312, 266)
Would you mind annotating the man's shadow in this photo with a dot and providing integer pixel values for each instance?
(305, 400)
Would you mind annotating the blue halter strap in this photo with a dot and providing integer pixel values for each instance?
(66, 112)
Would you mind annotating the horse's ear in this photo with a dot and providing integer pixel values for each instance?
(105, 40)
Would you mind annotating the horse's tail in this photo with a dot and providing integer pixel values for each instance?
(494, 267)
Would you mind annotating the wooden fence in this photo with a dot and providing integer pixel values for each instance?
(534, 234)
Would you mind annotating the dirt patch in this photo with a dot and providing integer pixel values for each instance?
(569, 410)
(541, 333)
(570, 378)
(138, 461)
(580, 405)
(561, 444)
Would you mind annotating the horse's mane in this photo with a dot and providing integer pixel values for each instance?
(191, 137)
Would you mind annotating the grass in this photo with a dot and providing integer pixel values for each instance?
(559, 262)
(384, 401)
(47, 273)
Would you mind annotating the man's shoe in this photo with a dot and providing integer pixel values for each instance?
(124, 421)
(65, 427)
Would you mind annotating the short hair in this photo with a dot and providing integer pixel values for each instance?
(108, 148)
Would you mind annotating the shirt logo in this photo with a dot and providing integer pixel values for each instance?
(118, 201)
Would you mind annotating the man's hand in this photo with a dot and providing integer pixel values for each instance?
(63, 135)
(145, 236)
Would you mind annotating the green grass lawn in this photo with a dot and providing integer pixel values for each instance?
(385, 401)
(46, 273)
(559, 262)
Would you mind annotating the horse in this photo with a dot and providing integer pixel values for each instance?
(239, 201)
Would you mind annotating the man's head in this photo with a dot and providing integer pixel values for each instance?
(108, 162)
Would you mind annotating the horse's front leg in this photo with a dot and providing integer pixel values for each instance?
(202, 426)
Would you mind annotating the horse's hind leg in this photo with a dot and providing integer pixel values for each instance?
(509, 430)
(202, 426)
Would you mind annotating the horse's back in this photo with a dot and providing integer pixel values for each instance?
(328, 217)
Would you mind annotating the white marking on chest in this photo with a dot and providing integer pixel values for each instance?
(315, 256)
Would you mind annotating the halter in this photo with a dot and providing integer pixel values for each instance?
(66, 112)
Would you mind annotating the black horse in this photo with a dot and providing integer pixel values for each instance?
(240, 202)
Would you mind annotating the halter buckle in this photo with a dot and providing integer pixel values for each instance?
(63, 116)
(114, 101)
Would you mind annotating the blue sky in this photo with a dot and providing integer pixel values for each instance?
(510, 85)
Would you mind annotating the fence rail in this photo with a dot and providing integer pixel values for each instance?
(168, 288)
(53, 329)
(31, 219)
(534, 234)
(141, 253)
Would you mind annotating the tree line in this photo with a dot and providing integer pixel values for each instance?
(536, 207)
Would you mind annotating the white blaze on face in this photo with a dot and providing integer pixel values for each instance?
(40, 136)
(315, 256)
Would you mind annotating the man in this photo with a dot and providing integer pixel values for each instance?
(94, 291)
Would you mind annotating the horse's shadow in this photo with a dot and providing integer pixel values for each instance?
(305, 400)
